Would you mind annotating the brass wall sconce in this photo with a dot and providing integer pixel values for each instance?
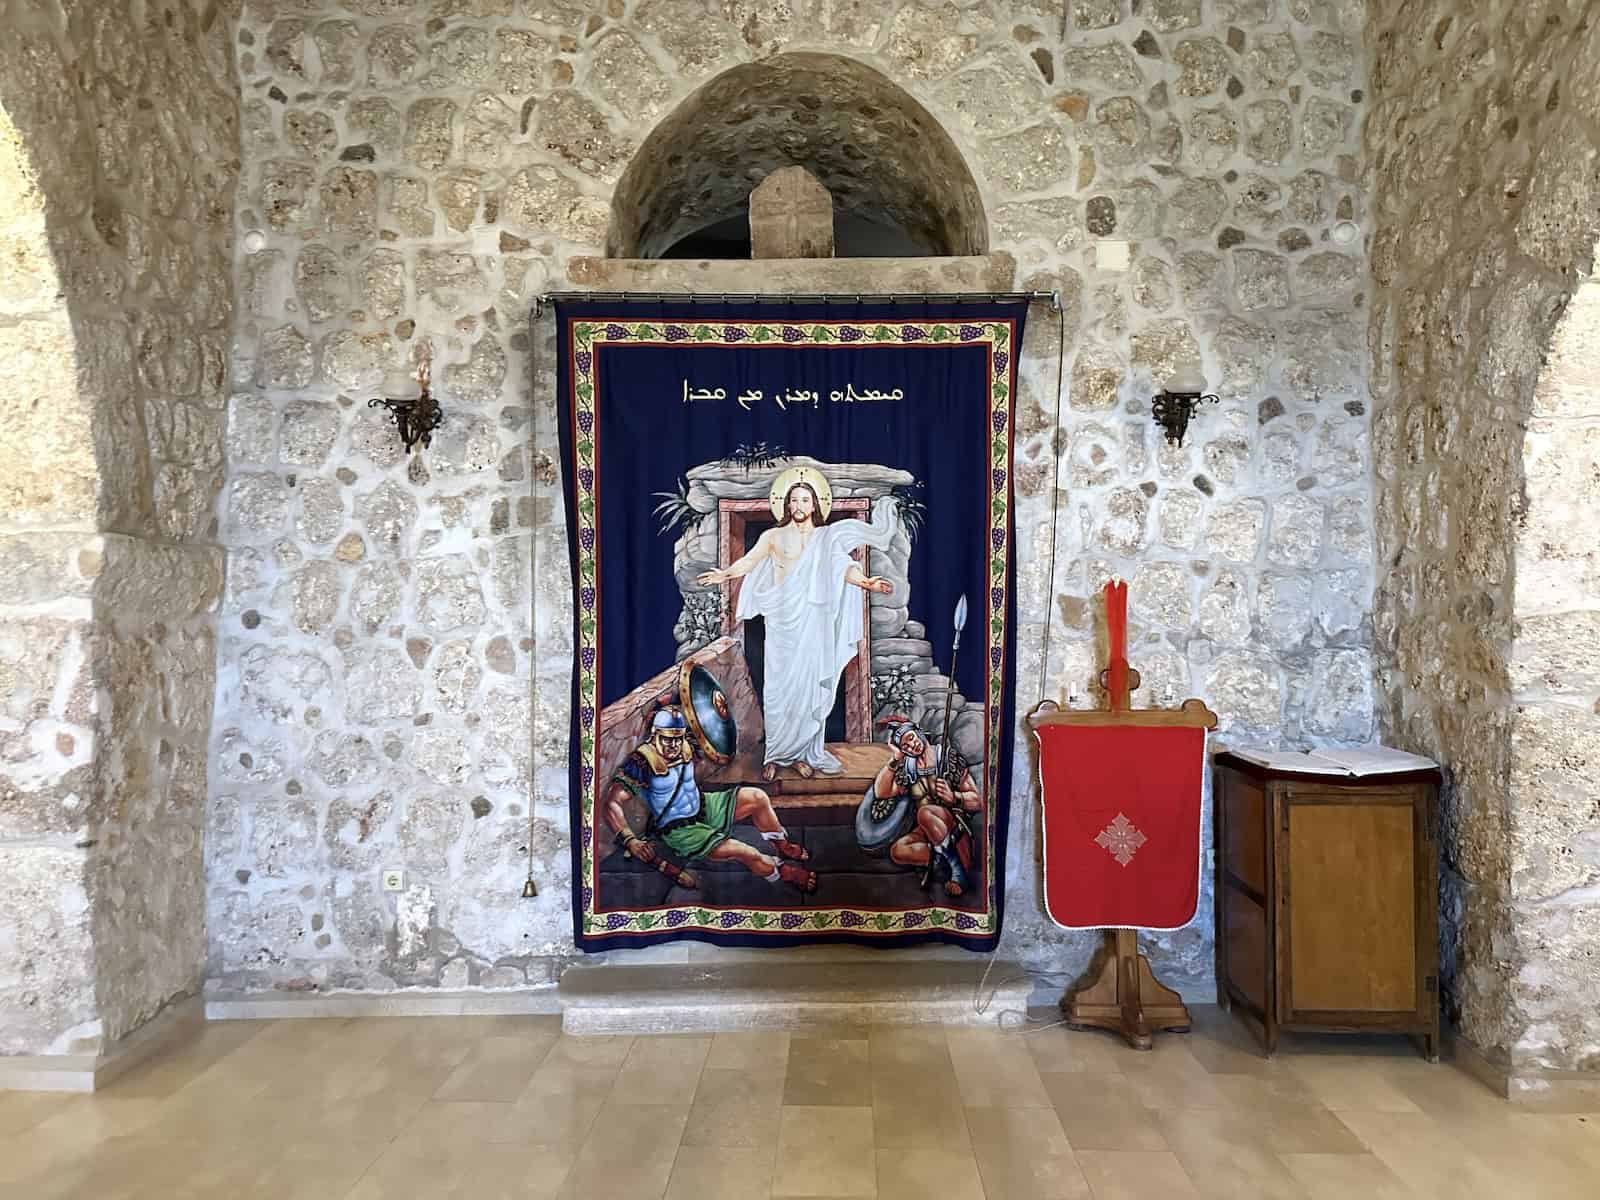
(1174, 406)
(415, 417)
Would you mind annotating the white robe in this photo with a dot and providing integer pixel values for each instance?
(813, 624)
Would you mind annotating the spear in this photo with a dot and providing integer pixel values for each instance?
(950, 695)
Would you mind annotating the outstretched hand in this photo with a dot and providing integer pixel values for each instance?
(877, 583)
(710, 578)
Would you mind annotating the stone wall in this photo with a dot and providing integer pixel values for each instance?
(416, 170)
(118, 162)
(1481, 146)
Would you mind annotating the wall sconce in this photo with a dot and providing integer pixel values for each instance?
(416, 417)
(1175, 404)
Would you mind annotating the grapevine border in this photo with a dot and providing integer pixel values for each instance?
(586, 337)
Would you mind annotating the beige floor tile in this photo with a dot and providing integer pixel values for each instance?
(590, 1051)
(163, 1075)
(825, 1150)
(769, 1050)
(928, 1171)
(735, 1108)
(1347, 1177)
(625, 1175)
(629, 1151)
(303, 1170)
(1340, 1082)
(995, 1070)
(550, 1115)
(479, 1172)
(1183, 1089)
(1424, 1156)
(1440, 1089)
(446, 1122)
(377, 1106)
(1290, 1129)
(722, 1173)
(915, 1107)
(824, 1071)
(1121, 1129)
(835, 1031)
(425, 1049)
(1102, 1112)
(899, 1046)
(1063, 1049)
(24, 1110)
(1135, 1175)
(1546, 1153)
(130, 1168)
(1024, 1130)
(1225, 1156)
(643, 1131)
(1023, 1154)
(497, 1068)
(95, 1118)
(1265, 1089)
(1010, 1175)
(661, 1070)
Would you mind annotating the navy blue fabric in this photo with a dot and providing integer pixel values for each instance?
(648, 438)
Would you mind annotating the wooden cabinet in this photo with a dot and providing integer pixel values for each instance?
(1327, 901)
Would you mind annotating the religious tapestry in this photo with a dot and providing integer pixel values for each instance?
(792, 559)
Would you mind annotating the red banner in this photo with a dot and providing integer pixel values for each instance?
(1121, 824)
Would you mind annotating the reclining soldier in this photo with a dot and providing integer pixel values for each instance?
(692, 824)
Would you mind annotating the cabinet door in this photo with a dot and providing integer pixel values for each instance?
(1350, 924)
(1244, 919)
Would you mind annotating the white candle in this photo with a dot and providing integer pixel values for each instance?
(1187, 376)
(400, 385)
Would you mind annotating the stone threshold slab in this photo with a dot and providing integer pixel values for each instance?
(699, 998)
(91, 1072)
(258, 1006)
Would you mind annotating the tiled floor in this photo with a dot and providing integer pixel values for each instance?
(507, 1107)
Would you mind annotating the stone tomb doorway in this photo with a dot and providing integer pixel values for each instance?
(741, 523)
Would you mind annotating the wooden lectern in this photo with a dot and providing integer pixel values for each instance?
(1125, 995)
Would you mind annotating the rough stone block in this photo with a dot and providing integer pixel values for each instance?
(791, 216)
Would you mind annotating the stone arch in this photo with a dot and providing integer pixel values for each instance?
(118, 128)
(879, 152)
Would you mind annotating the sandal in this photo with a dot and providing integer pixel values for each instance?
(803, 879)
(791, 850)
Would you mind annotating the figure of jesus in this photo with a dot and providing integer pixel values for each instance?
(800, 578)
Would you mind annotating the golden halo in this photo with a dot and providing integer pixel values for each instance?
(787, 479)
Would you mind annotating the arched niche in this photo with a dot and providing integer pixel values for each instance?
(879, 153)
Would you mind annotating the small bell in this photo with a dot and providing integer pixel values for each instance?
(529, 889)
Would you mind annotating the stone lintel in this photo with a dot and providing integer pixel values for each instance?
(914, 276)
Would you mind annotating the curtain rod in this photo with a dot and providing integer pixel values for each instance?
(542, 301)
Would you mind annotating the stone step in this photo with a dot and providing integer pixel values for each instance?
(904, 646)
(701, 998)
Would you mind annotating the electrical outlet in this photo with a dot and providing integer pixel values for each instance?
(1112, 255)
(394, 879)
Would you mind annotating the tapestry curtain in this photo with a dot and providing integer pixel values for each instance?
(792, 557)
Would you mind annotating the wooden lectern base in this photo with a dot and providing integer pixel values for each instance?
(1126, 997)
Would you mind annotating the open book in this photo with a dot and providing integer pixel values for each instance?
(1368, 760)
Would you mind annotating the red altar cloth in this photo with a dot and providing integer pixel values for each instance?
(1121, 824)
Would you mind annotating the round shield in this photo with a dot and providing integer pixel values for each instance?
(881, 821)
(709, 712)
